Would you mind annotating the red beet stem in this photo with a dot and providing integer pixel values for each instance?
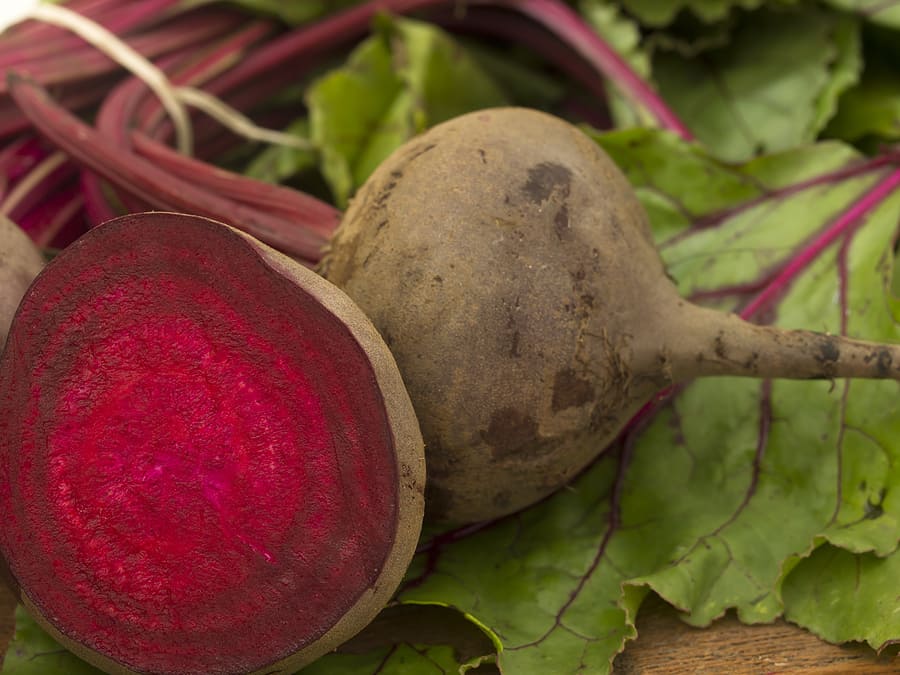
(153, 185)
(33, 39)
(322, 217)
(84, 61)
(58, 219)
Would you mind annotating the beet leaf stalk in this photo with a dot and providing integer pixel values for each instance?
(161, 189)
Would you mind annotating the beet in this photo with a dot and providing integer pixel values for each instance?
(511, 270)
(20, 262)
(208, 461)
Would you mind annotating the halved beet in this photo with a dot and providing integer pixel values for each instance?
(208, 461)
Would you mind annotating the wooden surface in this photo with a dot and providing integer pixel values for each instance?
(666, 646)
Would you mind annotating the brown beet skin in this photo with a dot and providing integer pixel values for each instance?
(510, 268)
(209, 462)
(20, 262)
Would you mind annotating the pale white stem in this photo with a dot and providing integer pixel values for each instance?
(236, 121)
(174, 99)
(123, 54)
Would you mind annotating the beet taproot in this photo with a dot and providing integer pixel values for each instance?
(510, 268)
(20, 262)
(208, 460)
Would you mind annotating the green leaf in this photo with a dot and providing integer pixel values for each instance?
(843, 597)
(412, 639)
(294, 13)
(845, 71)
(408, 76)
(624, 36)
(400, 659)
(355, 111)
(876, 11)
(766, 95)
(663, 12)
(33, 652)
(872, 108)
(732, 479)
(278, 163)
(519, 75)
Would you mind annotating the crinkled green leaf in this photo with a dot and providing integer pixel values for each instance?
(763, 95)
(733, 479)
(885, 12)
(623, 35)
(413, 639)
(406, 77)
(33, 652)
(845, 71)
(664, 12)
(401, 659)
(354, 111)
(692, 40)
(519, 75)
(872, 108)
(294, 13)
(842, 597)
(278, 163)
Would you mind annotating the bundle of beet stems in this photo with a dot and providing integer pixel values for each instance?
(226, 412)
(239, 63)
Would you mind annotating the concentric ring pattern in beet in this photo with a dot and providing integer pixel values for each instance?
(196, 466)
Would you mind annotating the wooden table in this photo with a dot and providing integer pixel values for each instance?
(666, 646)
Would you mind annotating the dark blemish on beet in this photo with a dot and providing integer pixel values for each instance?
(884, 362)
(509, 431)
(829, 351)
(570, 390)
(719, 344)
(514, 346)
(385, 194)
(416, 152)
(752, 362)
(546, 178)
(561, 222)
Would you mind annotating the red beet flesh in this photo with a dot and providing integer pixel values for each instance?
(197, 469)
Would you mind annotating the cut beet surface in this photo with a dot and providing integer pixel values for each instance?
(208, 461)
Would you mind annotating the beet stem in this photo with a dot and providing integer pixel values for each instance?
(708, 342)
(851, 218)
(120, 51)
(566, 24)
(146, 181)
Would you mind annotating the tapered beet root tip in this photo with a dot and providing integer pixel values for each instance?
(209, 463)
